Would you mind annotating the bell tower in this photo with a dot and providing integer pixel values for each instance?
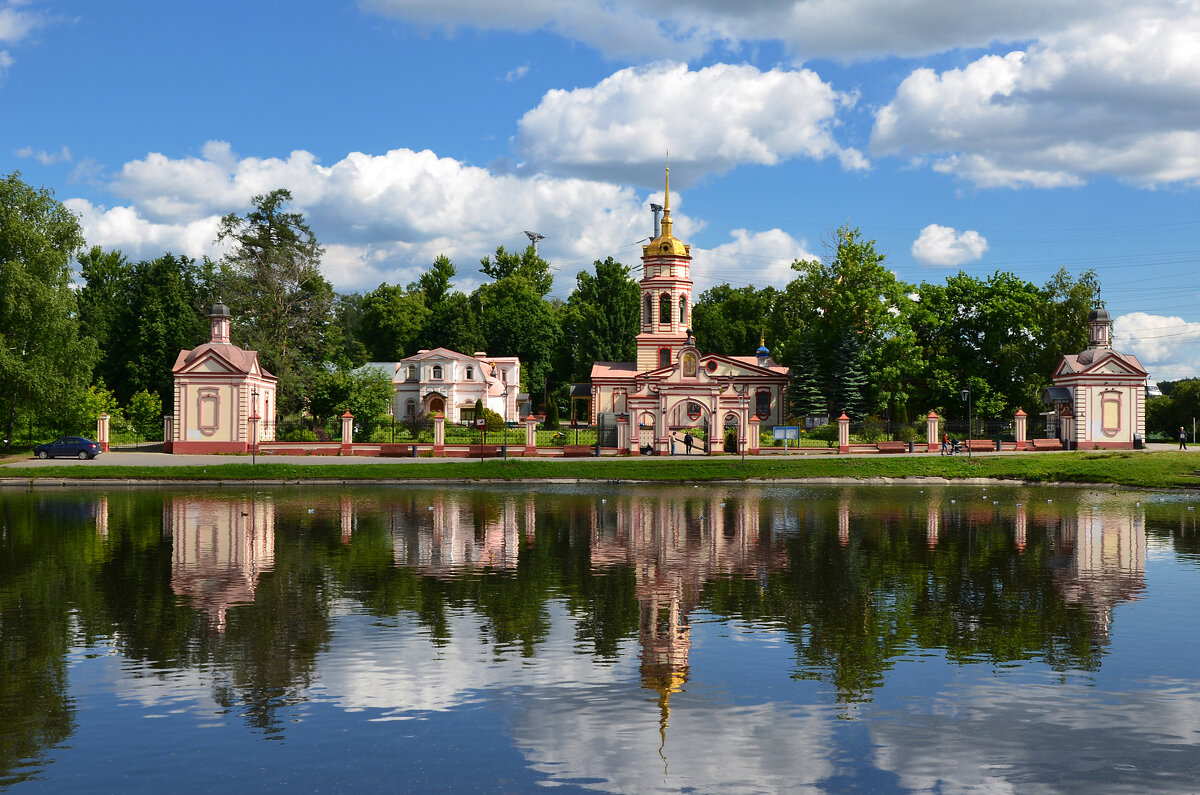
(666, 294)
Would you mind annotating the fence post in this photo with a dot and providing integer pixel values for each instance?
(531, 435)
(843, 433)
(622, 433)
(439, 435)
(168, 433)
(347, 434)
(1019, 429)
(102, 432)
(931, 432)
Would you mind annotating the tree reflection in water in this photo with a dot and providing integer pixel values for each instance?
(247, 587)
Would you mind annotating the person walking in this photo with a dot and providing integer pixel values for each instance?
(687, 442)
(945, 444)
(1182, 438)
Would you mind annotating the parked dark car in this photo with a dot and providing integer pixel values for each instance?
(75, 446)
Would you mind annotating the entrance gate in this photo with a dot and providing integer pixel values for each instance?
(688, 415)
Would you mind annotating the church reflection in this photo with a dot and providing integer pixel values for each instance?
(220, 548)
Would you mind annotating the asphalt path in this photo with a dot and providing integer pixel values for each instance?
(134, 457)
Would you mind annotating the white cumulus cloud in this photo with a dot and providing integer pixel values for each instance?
(945, 246)
(762, 259)
(1118, 95)
(851, 29)
(1168, 347)
(712, 119)
(381, 217)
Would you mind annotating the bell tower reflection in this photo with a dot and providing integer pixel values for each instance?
(220, 548)
(675, 543)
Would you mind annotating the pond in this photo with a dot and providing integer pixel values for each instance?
(603, 638)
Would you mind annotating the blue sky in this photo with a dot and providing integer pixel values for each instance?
(1016, 135)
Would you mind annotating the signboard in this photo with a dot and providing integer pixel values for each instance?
(481, 422)
(787, 432)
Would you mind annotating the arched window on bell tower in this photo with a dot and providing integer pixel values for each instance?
(664, 357)
(647, 311)
(664, 308)
(683, 310)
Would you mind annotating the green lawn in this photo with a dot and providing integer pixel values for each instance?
(1141, 469)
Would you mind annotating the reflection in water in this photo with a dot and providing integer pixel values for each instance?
(725, 630)
(221, 546)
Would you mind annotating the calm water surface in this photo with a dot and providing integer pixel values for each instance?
(607, 638)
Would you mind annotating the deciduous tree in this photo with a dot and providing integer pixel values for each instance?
(44, 361)
(272, 282)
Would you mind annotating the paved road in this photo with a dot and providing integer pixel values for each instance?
(132, 457)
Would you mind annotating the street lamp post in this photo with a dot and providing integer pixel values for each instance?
(966, 396)
(253, 425)
(743, 393)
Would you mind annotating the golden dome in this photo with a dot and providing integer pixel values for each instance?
(666, 244)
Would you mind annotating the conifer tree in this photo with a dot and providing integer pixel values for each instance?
(805, 396)
(849, 378)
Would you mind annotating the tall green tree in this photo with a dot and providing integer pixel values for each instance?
(346, 338)
(44, 361)
(105, 276)
(733, 320)
(600, 320)
(392, 320)
(528, 265)
(451, 322)
(166, 308)
(851, 292)
(271, 280)
(805, 396)
(517, 321)
(849, 378)
(364, 392)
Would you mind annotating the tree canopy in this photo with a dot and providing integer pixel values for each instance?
(44, 361)
(281, 303)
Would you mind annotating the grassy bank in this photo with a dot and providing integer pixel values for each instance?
(1147, 470)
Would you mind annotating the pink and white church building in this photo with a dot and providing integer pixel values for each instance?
(224, 399)
(1099, 395)
(673, 386)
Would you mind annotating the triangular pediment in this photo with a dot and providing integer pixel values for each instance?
(1111, 364)
(729, 366)
(209, 363)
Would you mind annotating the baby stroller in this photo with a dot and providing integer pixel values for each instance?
(956, 447)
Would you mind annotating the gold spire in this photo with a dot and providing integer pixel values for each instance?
(666, 244)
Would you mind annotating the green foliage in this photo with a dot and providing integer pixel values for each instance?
(518, 322)
(365, 393)
(272, 282)
(494, 422)
(849, 379)
(392, 320)
(144, 412)
(44, 361)
(805, 397)
(853, 294)
(527, 265)
(346, 334)
(600, 321)
(1165, 414)
(732, 321)
(551, 421)
(80, 415)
